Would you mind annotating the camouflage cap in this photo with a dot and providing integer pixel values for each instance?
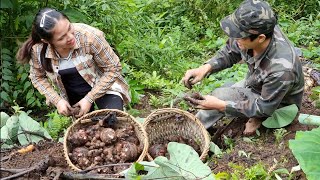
(252, 17)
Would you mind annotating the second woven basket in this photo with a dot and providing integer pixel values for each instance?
(164, 123)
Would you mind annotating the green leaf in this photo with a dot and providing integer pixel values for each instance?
(4, 133)
(75, 15)
(5, 86)
(6, 64)
(281, 117)
(15, 94)
(4, 117)
(13, 126)
(30, 125)
(24, 76)
(6, 4)
(184, 163)
(5, 96)
(7, 72)
(4, 50)
(27, 138)
(26, 85)
(309, 119)
(27, 123)
(306, 149)
(215, 149)
(6, 146)
(7, 78)
(29, 94)
(31, 100)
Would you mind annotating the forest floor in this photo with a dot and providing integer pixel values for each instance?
(242, 152)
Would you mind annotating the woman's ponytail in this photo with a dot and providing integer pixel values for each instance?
(43, 23)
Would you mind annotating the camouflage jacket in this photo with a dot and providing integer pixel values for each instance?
(94, 59)
(276, 76)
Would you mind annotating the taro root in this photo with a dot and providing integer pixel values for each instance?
(193, 99)
(157, 150)
(133, 139)
(107, 135)
(75, 110)
(95, 145)
(108, 154)
(79, 152)
(125, 132)
(79, 137)
(118, 147)
(97, 159)
(83, 162)
(129, 151)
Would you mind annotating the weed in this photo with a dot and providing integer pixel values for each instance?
(280, 134)
(154, 101)
(228, 142)
(243, 153)
(56, 124)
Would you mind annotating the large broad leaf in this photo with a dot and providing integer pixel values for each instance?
(4, 117)
(309, 119)
(5, 138)
(4, 133)
(184, 163)
(30, 130)
(75, 15)
(281, 117)
(13, 127)
(306, 149)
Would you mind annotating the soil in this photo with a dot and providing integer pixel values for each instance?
(242, 152)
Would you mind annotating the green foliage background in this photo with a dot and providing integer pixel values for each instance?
(157, 40)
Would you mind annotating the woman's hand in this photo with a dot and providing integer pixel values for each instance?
(63, 107)
(84, 105)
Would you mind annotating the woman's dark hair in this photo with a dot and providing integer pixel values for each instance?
(42, 26)
(254, 36)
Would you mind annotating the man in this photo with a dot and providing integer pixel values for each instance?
(274, 79)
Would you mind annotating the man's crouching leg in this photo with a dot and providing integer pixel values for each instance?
(209, 117)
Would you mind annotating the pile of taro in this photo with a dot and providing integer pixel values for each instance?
(159, 148)
(103, 143)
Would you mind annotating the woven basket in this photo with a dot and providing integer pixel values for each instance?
(123, 119)
(162, 124)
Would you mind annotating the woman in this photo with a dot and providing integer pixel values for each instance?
(73, 65)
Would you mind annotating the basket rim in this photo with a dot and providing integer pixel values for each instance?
(136, 123)
(191, 117)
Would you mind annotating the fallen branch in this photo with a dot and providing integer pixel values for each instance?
(102, 166)
(41, 167)
(13, 170)
(219, 132)
(72, 175)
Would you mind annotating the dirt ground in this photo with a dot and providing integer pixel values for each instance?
(264, 148)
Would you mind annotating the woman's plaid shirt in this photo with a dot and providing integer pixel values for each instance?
(95, 61)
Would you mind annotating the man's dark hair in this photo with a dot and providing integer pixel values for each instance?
(254, 36)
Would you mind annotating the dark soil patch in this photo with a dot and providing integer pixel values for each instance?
(43, 150)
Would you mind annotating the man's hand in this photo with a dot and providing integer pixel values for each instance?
(207, 102)
(63, 107)
(84, 105)
(193, 76)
